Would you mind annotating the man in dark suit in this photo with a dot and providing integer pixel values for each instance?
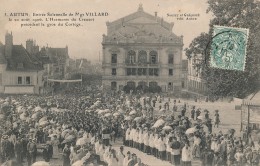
(176, 154)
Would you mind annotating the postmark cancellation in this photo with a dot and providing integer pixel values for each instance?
(228, 48)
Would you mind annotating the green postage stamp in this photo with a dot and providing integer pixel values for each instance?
(228, 48)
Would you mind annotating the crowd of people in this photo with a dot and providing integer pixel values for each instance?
(83, 128)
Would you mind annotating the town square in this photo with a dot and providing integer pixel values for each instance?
(146, 83)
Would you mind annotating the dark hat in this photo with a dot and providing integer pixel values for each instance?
(128, 152)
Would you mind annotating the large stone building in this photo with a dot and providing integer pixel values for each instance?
(141, 49)
(20, 71)
(196, 84)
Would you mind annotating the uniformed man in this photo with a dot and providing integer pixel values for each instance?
(18, 149)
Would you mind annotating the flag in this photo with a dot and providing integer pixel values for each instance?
(81, 62)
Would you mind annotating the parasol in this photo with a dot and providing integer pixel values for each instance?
(107, 110)
(23, 117)
(35, 115)
(158, 123)
(137, 118)
(16, 103)
(20, 109)
(90, 110)
(120, 111)
(43, 119)
(92, 107)
(81, 141)
(97, 110)
(162, 110)
(36, 109)
(78, 163)
(69, 138)
(190, 130)
(108, 114)
(132, 112)
(116, 114)
(43, 123)
(48, 103)
(100, 111)
(128, 118)
(55, 109)
(63, 134)
(167, 128)
(40, 163)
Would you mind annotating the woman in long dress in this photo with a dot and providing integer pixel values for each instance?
(186, 155)
(196, 146)
(113, 160)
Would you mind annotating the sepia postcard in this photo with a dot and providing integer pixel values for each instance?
(129, 82)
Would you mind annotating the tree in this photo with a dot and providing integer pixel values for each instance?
(234, 13)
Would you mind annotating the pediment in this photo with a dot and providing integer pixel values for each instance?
(142, 20)
(114, 50)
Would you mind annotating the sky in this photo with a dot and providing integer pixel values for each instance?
(85, 41)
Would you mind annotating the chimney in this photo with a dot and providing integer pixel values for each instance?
(29, 46)
(8, 45)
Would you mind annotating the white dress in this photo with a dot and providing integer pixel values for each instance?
(120, 157)
(112, 161)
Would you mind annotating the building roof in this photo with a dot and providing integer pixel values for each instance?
(43, 57)
(141, 27)
(21, 60)
(57, 53)
(2, 57)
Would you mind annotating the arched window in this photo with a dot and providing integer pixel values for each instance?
(153, 57)
(153, 84)
(142, 57)
(131, 57)
(131, 84)
(142, 83)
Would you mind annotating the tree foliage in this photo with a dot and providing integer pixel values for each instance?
(233, 13)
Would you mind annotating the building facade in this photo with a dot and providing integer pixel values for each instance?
(184, 76)
(196, 83)
(20, 71)
(141, 50)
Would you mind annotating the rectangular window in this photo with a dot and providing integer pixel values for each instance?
(139, 71)
(153, 59)
(113, 71)
(128, 71)
(156, 72)
(144, 71)
(170, 72)
(20, 80)
(170, 86)
(114, 58)
(150, 72)
(28, 80)
(182, 84)
(170, 58)
(133, 71)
